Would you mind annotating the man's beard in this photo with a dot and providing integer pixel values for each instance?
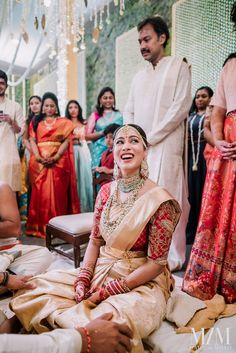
(2, 94)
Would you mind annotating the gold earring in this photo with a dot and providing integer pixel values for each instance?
(116, 172)
(144, 172)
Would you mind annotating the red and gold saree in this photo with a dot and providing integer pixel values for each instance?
(212, 265)
(54, 191)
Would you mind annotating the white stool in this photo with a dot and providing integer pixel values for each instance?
(72, 229)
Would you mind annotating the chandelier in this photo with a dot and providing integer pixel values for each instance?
(59, 24)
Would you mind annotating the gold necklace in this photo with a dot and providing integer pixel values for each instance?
(48, 125)
(129, 184)
(113, 201)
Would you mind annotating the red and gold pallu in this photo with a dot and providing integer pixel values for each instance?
(51, 303)
(212, 265)
(54, 190)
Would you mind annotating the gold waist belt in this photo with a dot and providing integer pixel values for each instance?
(49, 143)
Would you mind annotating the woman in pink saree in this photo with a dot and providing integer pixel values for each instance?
(125, 267)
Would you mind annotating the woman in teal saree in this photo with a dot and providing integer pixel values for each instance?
(105, 114)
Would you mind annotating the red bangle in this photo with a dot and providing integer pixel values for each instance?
(88, 338)
(103, 293)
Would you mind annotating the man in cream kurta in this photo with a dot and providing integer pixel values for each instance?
(11, 123)
(159, 102)
(106, 337)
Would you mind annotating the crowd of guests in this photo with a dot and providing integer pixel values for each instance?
(87, 146)
(58, 155)
(127, 265)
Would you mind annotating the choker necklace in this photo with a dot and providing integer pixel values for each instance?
(129, 184)
(196, 157)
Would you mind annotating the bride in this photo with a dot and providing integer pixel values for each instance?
(125, 266)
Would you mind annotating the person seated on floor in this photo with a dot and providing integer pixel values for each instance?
(107, 159)
(100, 335)
(14, 256)
(125, 269)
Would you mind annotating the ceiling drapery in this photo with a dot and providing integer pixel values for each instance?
(39, 31)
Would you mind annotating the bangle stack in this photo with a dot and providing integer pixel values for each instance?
(5, 279)
(103, 293)
(88, 338)
(85, 275)
(117, 286)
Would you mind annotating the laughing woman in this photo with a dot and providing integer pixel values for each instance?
(125, 266)
(51, 168)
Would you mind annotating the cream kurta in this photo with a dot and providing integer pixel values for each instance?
(10, 171)
(159, 102)
(57, 341)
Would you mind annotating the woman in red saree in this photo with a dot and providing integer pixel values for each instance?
(51, 168)
(212, 265)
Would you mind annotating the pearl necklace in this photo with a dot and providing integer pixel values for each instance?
(196, 158)
(48, 125)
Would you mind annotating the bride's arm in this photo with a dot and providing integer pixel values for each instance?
(161, 228)
(82, 282)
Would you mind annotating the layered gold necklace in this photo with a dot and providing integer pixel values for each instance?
(114, 206)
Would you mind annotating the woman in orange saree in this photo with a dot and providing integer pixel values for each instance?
(51, 168)
(125, 267)
(212, 265)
